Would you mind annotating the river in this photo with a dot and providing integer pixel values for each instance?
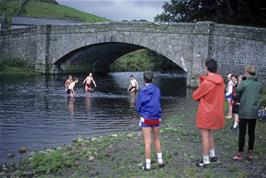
(36, 113)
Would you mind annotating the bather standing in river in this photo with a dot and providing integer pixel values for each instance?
(88, 81)
(133, 88)
(67, 83)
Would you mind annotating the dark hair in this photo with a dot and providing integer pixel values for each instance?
(131, 76)
(148, 76)
(211, 65)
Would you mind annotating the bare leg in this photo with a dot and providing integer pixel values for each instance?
(156, 139)
(147, 141)
(229, 115)
(205, 135)
(211, 142)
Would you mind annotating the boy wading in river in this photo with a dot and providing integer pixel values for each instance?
(210, 115)
(149, 108)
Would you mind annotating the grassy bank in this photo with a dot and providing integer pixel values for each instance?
(143, 60)
(121, 155)
(15, 66)
(45, 9)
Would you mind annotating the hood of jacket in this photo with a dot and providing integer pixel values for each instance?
(149, 89)
(214, 78)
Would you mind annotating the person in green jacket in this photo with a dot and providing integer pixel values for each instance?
(248, 90)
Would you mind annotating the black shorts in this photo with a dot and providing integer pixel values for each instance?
(235, 108)
(68, 91)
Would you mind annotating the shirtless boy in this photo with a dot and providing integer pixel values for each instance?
(133, 86)
(67, 83)
(88, 81)
(71, 87)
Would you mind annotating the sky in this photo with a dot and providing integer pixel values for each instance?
(118, 10)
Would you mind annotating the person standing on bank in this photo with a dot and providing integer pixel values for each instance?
(235, 103)
(210, 114)
(149, 107)
(229, 95)
(249, 91)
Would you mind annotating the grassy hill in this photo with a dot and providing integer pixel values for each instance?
(46, 9)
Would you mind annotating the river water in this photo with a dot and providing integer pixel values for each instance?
(36, 113)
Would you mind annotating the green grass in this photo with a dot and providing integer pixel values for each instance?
(37, 8)
(11, 65)
(46, 9)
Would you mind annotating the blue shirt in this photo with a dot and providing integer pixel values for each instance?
(148, 103)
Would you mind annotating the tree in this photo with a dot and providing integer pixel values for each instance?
(240, 12)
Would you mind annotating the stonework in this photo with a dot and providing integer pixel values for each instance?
(49, 48)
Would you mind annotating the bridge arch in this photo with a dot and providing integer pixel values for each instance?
(98, 57)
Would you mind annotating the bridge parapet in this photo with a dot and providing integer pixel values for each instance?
(187, 44)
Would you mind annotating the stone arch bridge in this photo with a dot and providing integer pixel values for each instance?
(48, 48)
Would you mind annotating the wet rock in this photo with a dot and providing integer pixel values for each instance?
(114, 135)
(10, 155)
(130, 135)
(27, 173)
(4, 168)
(78, 140)
(93, 139)
(91, 158)
(49, 150)
(23, 149)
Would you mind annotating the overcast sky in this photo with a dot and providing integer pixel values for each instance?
(118, 10)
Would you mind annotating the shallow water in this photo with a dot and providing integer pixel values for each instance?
(35, 112)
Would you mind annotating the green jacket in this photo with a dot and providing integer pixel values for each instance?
(249, 91)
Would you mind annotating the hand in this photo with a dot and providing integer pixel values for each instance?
(240, 78)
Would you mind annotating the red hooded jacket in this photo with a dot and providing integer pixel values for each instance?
(210, 95)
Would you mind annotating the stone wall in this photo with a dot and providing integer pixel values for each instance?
(237, 46)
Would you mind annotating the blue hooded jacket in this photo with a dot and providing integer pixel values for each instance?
(148, 102)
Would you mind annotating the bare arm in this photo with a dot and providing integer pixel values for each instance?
(93, 82)
(137, 85)
(85, 80)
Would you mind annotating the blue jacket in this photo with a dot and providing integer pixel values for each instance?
(148, 102)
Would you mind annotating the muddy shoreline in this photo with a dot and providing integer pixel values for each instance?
(122, 154)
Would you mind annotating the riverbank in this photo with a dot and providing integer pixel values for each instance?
(121, 155)
(15, 66)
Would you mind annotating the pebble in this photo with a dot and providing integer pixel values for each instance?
(23, 149)
(93, 139)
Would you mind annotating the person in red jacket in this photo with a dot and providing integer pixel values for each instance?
(210, 114)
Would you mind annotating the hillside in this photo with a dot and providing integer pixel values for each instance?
(46, 9)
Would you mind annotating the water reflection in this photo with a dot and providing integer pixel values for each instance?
(87, 100)
(70, 103)
(132, 99)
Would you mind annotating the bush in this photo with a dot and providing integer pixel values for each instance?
(12, 65)
(142, 60)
